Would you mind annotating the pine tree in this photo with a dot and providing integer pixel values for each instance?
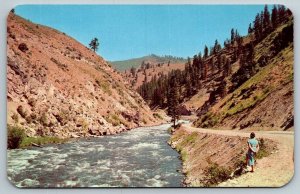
(217, 47)
(250, 29)
(274, 17)
(266, 20)
(281, 13)
(212, 64)
(173, 99)
(257, 27)
(232, 38)
(133, 71)
(205, 52)
(262, 27)
(94, 44)
(227, 68)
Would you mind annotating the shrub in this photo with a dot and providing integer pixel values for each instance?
(32, 102)
(144, 121)
(23, 47)
(63, 117)
(22, 111)
(15, 117)
(59, 64)
(215, 174)
(43, 119)
(28, 119)
(15, 136)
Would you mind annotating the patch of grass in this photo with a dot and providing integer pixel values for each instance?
(249, 102)
(104, 86)
(187, 140)
(170, 129)
(263, 151)
(184, 155)
(208, 120)
(177, 136)
(115, 120)
(27, 141)
(156, 115)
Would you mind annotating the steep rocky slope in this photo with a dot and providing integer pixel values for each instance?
(58, 87)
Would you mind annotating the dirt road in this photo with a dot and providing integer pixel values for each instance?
(275, 170)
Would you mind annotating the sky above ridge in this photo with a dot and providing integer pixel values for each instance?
(131, 31)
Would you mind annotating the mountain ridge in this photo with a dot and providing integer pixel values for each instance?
(126, 64)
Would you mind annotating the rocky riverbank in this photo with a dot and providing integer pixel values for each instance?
(211, 156)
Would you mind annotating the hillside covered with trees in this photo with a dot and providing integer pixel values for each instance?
(241, 83)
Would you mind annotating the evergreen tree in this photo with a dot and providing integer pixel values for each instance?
(232, 38)
(212, 64)
(227, 43)
(227, 68)
(281, 13)
(173, 99)
(217, 47)
(205, 52)
(274, 17)
(266, 20)
(250, 29)
(262, 27)
(257, 27)
(133, 71)
(94, 44)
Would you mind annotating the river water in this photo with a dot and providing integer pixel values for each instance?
(137, 158)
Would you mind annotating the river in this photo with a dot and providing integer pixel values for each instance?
(137, 158)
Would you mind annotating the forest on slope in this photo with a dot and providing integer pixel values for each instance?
(246, 83)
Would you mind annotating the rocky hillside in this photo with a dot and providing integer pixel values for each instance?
(58, 87)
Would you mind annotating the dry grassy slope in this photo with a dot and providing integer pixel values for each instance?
(63, 88)
(263, 102)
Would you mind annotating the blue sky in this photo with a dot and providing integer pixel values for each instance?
(131, 31)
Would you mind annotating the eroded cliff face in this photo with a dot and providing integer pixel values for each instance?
(58, 87)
